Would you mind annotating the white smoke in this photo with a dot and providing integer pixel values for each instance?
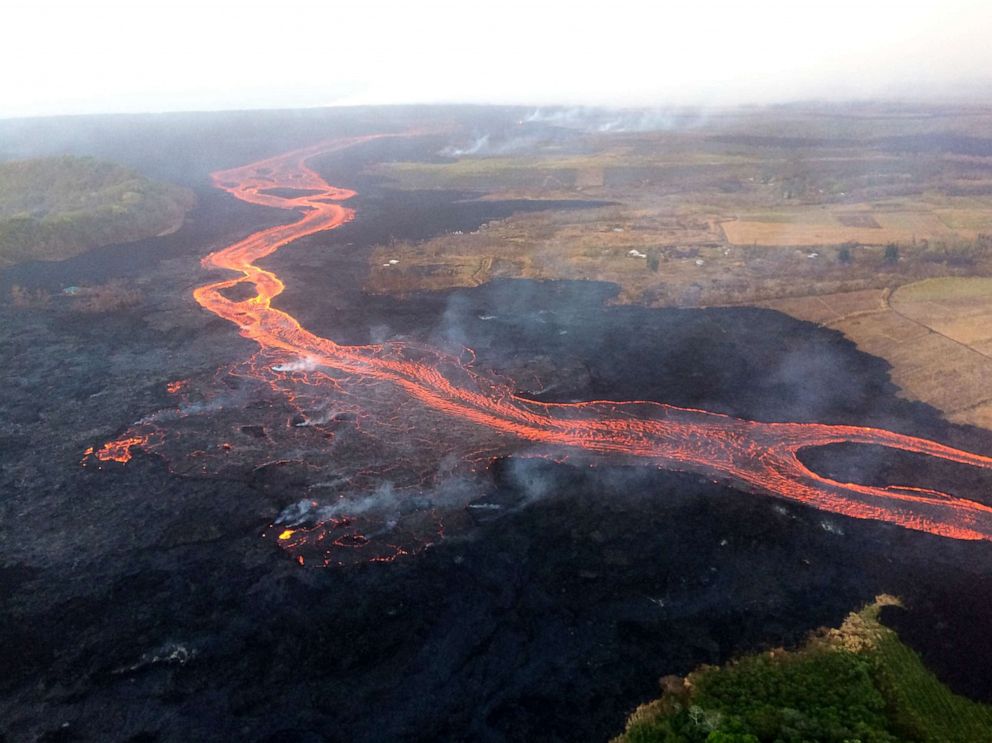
(601, 120)
(319, 418)
(478, 145)
(170, 653)
(483, 145)
(223, 401)
(302, 364)
(385, 504)
(560, 116)
(300, 512)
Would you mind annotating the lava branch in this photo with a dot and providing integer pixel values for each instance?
(759, 456)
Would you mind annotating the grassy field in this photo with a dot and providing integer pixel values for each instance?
(54, 208)
(855, 683)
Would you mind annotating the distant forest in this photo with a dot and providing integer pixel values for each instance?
(54, 208)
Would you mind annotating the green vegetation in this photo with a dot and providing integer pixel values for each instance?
(858, 683)
(54, 208)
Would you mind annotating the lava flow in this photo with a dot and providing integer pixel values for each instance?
(756, 456)
(118, 450)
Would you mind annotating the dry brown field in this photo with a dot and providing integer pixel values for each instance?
(817, 226)
(936, 334)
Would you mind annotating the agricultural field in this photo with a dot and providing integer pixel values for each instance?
(868, 224)
(936, 334)
(960, 309)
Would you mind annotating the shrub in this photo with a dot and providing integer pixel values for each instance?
(29, 298)
(110, 297)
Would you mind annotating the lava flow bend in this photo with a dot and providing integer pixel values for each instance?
(756, 456)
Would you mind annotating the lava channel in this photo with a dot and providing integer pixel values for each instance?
(754, 456)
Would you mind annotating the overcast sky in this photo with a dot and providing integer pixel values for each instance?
(73, 56)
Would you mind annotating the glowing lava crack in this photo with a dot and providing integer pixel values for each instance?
(757, 456)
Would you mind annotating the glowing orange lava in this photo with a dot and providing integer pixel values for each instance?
(118, 450)
(174, 388)
(753, 455)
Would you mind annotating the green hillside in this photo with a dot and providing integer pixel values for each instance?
(54, 208)
(856, 683)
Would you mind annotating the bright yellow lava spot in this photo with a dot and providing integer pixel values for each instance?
(286, 534)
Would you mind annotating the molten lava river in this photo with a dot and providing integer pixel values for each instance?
(417, 414)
